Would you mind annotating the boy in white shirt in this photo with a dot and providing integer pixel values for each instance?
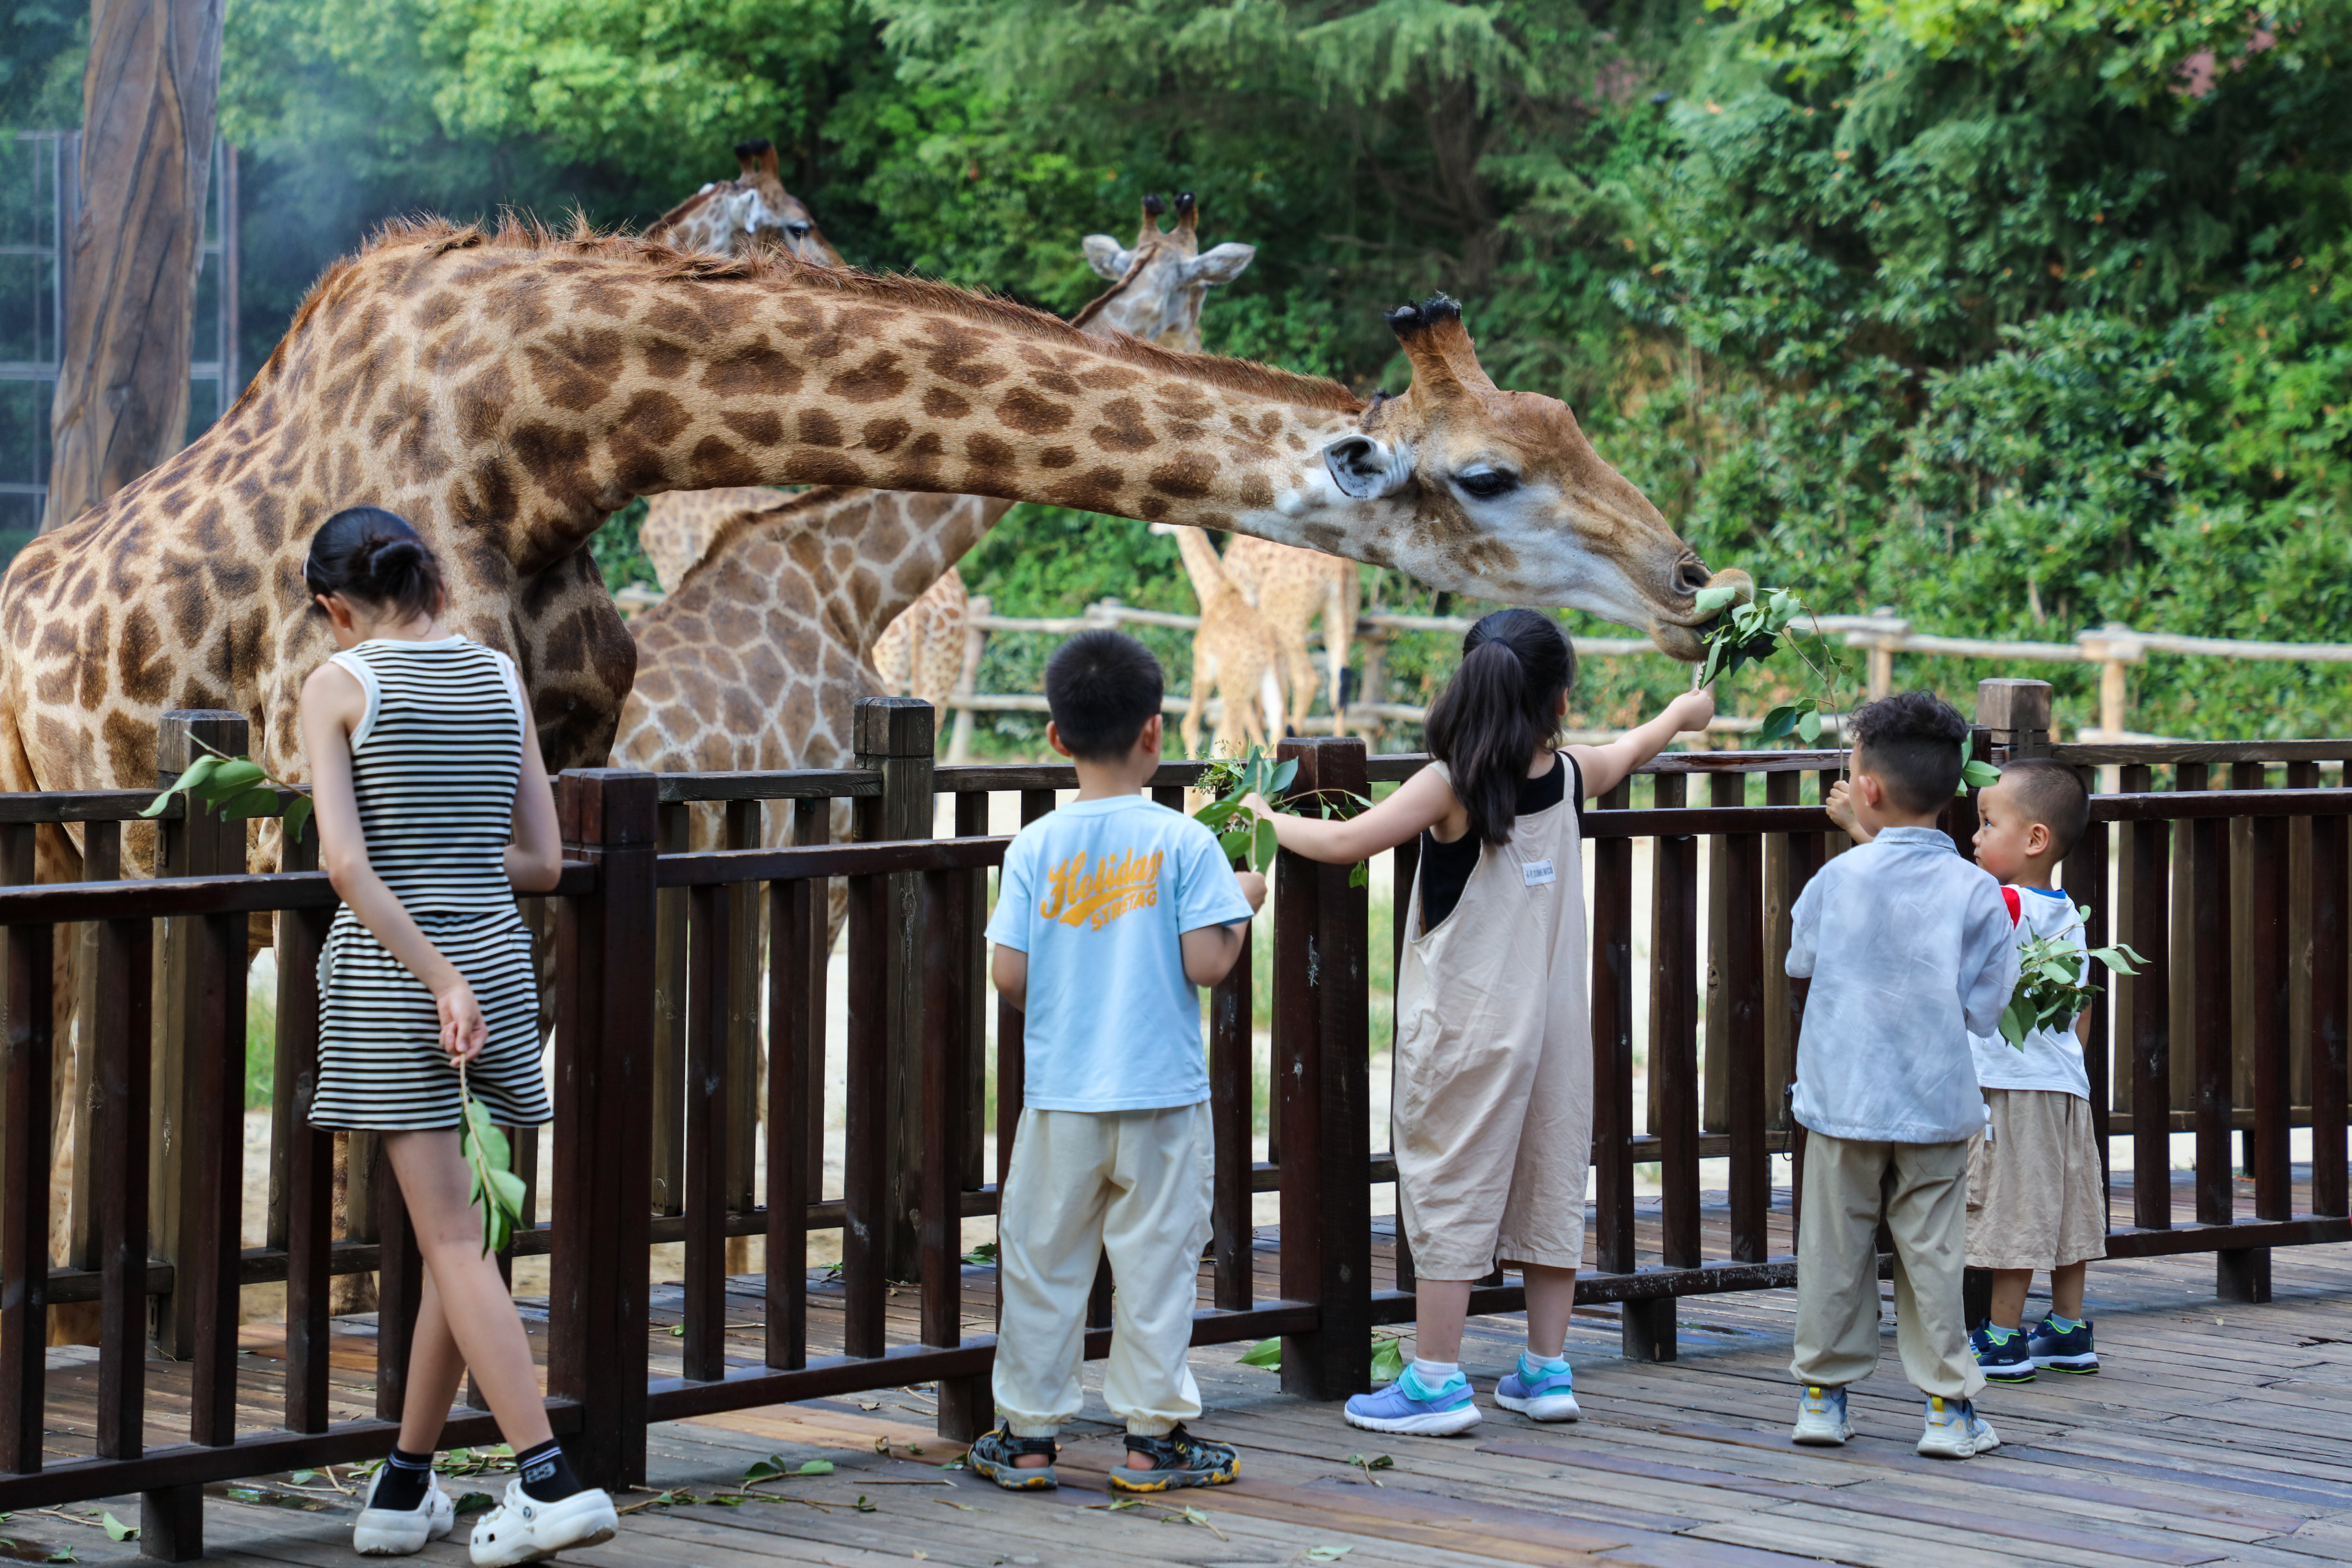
(1910, 951)
(1108, 912)
(2035, 1197)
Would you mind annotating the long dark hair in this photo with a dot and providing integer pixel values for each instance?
(1501, 707)
(371, 555)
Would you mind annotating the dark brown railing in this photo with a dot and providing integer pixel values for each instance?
(689, 1004)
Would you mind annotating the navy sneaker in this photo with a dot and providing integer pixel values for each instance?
(2004, 1359)
(2069, 1352)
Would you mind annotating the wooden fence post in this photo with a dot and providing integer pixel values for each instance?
(1321, 1047)
(603, 1131)
(201, 843)
(894, 736)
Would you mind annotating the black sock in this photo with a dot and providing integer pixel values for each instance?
(546, 1473)
(405, 1478)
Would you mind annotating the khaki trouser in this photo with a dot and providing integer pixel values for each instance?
(1923, 1187)
(1135, 1184)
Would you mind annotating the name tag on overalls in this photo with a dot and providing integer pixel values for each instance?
(1538, 873)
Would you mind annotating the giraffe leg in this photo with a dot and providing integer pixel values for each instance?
(1204, 672)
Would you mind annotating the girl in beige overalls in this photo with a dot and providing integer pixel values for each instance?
(1494, 1056)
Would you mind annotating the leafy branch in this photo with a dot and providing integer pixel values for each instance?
(1747, 631)
(2054, 981)
(235, 787)
(495, 1185)
(1230, 781)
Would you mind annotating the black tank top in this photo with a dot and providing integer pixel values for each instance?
(1445, 869)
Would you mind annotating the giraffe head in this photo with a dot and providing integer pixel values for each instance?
(1504, 487)
(1157, 283)
(734, 217)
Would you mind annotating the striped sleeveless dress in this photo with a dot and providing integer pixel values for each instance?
(435, 763)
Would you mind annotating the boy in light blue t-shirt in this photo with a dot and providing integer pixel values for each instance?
(1109, 912)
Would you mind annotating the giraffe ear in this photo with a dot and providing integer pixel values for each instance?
(1220, 264)
(1109, 258)
(1367, 469)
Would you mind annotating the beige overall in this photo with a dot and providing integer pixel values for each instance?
(1494, 1067)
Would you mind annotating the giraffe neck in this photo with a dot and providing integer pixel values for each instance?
(1211, 586)
(526, 390)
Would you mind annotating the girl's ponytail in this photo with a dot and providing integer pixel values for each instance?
(1500, 709)
(368, 554)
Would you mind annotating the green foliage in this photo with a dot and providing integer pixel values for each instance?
(2054, 981)
(238, 788)
(495, 1186)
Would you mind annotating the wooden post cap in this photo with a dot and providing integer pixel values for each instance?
(219, 728)
(892, 726)
(2011, 706)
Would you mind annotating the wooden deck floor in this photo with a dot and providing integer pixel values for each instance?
(2216, 1433)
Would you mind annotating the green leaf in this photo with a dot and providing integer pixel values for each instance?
(2014, 1024)
(297, 817)
(1326, 1553)
(1708, 600)
(1266, 1352)
(474, 1500)
(1976, 775)
(982, 1254)
(1808, 726)
(261, 800)
(1234, 843)
(1360, 874)
(1263, 846)
(118, 1531)
(1283, 774)
(1780, 721)
(231, 778)
(1388, 1359)
(193, 775)
(62, 1555)
(1215, 814)
(303, 1478)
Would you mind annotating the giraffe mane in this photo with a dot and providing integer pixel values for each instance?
(522, 232)
(746, 519)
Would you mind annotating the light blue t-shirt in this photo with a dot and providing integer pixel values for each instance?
(1098, 894)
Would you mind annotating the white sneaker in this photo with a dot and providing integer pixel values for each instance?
(524, 1529)
(401, 1532)
(1954, 1430)
(1820, 1418)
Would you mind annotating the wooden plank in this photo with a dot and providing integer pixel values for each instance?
(2152, 1015)
(1725, 791)
(1673, 1044)
(2267, 1010)
(796, 920)
(2209, 957)
(1612, 1044)
(670, 1007)
(212, 1208)
(865, 1180)
(703, 1113)
(2329, 935)
(121, 1021)
(812, 827)
(742, 830)
(1231, 1092)
(1751, 1174)
(24, 1146)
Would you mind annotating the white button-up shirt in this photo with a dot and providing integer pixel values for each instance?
(1910, 950)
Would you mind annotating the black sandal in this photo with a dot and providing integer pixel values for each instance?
(1178, 1459)
(995, 1454)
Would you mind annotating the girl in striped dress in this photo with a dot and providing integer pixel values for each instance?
(434, 810)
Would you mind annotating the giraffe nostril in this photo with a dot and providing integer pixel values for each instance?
(1690, 575)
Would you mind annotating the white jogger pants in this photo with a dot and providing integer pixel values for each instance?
(1135, 1184)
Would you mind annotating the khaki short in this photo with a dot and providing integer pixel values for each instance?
(2035, 1199)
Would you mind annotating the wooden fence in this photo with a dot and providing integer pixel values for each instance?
(665, 996)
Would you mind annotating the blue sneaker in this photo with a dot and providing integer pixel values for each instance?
(1405, 1406)
(2068, 1352)
(1954, 1430)
(1820, 1418)
(2002, 1360)
(1539, 1395)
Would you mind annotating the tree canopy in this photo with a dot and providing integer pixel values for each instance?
(2017, 316)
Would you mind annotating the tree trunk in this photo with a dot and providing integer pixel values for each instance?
(148, 101)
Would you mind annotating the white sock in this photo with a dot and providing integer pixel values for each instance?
(1434, 1376)
(1554, 1362)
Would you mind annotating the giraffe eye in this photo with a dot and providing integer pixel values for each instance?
(1486, 484)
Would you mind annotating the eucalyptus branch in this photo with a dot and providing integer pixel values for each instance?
(235, 787)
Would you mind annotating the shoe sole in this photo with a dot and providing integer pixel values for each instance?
(1544, 1407)
(2078, 1368)
(1823, 1436)
(1929, 1449)
(588, 1530)
(1445, 1424)
(1168, 1480)
(2006, 1376)
(1015, 1478)
(384, 1540)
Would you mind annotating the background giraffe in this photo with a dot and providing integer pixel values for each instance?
(735, 217)
(1234, 653)
(756, 659)
(1290, 588)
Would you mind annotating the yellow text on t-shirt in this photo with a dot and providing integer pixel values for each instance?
(1093, 899)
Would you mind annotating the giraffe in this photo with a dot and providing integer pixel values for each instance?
(1234, 649)
(508, 390)
(1290, 587)
(734, 217)
(921, 652)
(719, 690)
(679, 525)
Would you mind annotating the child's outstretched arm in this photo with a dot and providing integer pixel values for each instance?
(1606, 766)
(1423, 800)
